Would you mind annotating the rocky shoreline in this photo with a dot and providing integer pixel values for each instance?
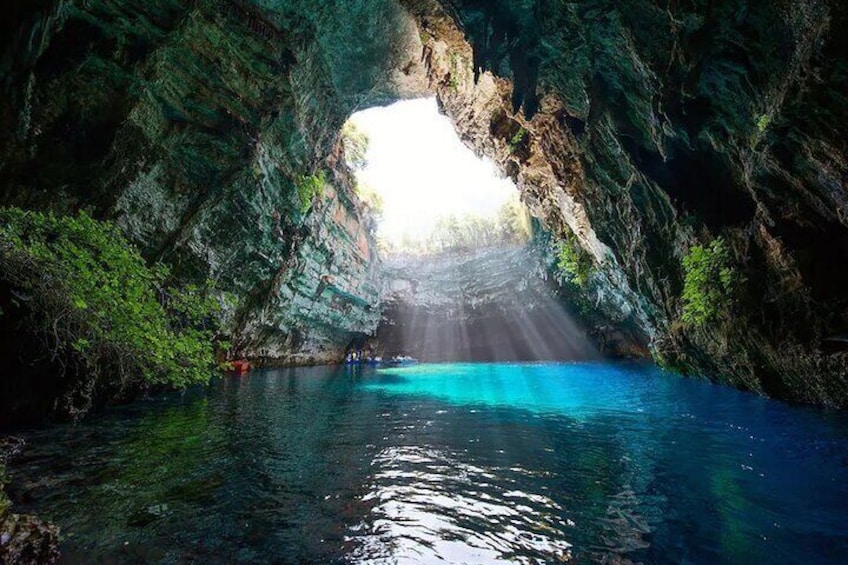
(24, 539)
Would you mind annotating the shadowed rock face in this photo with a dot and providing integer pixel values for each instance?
(646, 128)
(484, 305)
(643, 128)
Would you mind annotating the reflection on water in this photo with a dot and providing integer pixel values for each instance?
(462, 463)
(430, 506)
(566, 389)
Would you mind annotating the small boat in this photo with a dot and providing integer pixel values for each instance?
(400, 361)
(239, 366)
(359, 358)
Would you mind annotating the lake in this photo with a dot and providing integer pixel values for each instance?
(466, 463)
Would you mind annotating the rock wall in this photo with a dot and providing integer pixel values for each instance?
(482, 305)
(191, 124)
(645, 128)
(323, 295)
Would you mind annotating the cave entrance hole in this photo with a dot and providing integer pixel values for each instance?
(428, 192)
(463, 281)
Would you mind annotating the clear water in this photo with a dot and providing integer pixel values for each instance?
(464, 463)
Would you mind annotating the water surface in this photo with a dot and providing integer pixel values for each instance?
(480, 463)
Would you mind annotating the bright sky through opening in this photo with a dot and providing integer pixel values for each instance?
(422, 170)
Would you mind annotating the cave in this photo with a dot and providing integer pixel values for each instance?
(461, 260)
(173, 146)
(683, 170)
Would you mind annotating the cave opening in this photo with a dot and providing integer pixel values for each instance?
(427, 191)
(464, 276)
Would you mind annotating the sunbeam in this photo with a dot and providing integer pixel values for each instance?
(462, 267)
(485, 305)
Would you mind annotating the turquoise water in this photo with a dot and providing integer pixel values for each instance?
(473, 463)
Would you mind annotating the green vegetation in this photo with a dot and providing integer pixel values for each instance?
(308, 187)
(763, 123)
(710, 283)
(100, 308)
(573, 261)
(511, 226)
(355, 146)
(371, 198)
(514, 223)
(454, 233)
(456, 65)
(517, 139)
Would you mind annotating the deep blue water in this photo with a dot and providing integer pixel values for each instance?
(465, 463)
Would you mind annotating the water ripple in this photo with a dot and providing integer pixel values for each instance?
(461, 464)
(430, 506)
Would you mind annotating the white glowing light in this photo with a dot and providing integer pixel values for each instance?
(422, 170)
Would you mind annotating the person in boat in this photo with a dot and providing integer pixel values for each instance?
(403, 360)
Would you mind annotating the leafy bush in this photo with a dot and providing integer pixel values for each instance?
(98, 304)
(710, 283)
(308, 187)
(355, 145)
(574, 262)
(371, 198)
(517, 139)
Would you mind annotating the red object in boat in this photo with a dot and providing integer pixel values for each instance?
(241, 366)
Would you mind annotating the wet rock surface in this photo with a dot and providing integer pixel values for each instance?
(28, 540)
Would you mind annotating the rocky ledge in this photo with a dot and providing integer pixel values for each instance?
(24, 539)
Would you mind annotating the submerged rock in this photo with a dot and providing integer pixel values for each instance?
(28, 540)
(24, 539)
(148, 515)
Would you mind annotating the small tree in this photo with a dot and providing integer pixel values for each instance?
(355, 145)
(710, 283)
(308, 187)
(371, 198)
(573, 261)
